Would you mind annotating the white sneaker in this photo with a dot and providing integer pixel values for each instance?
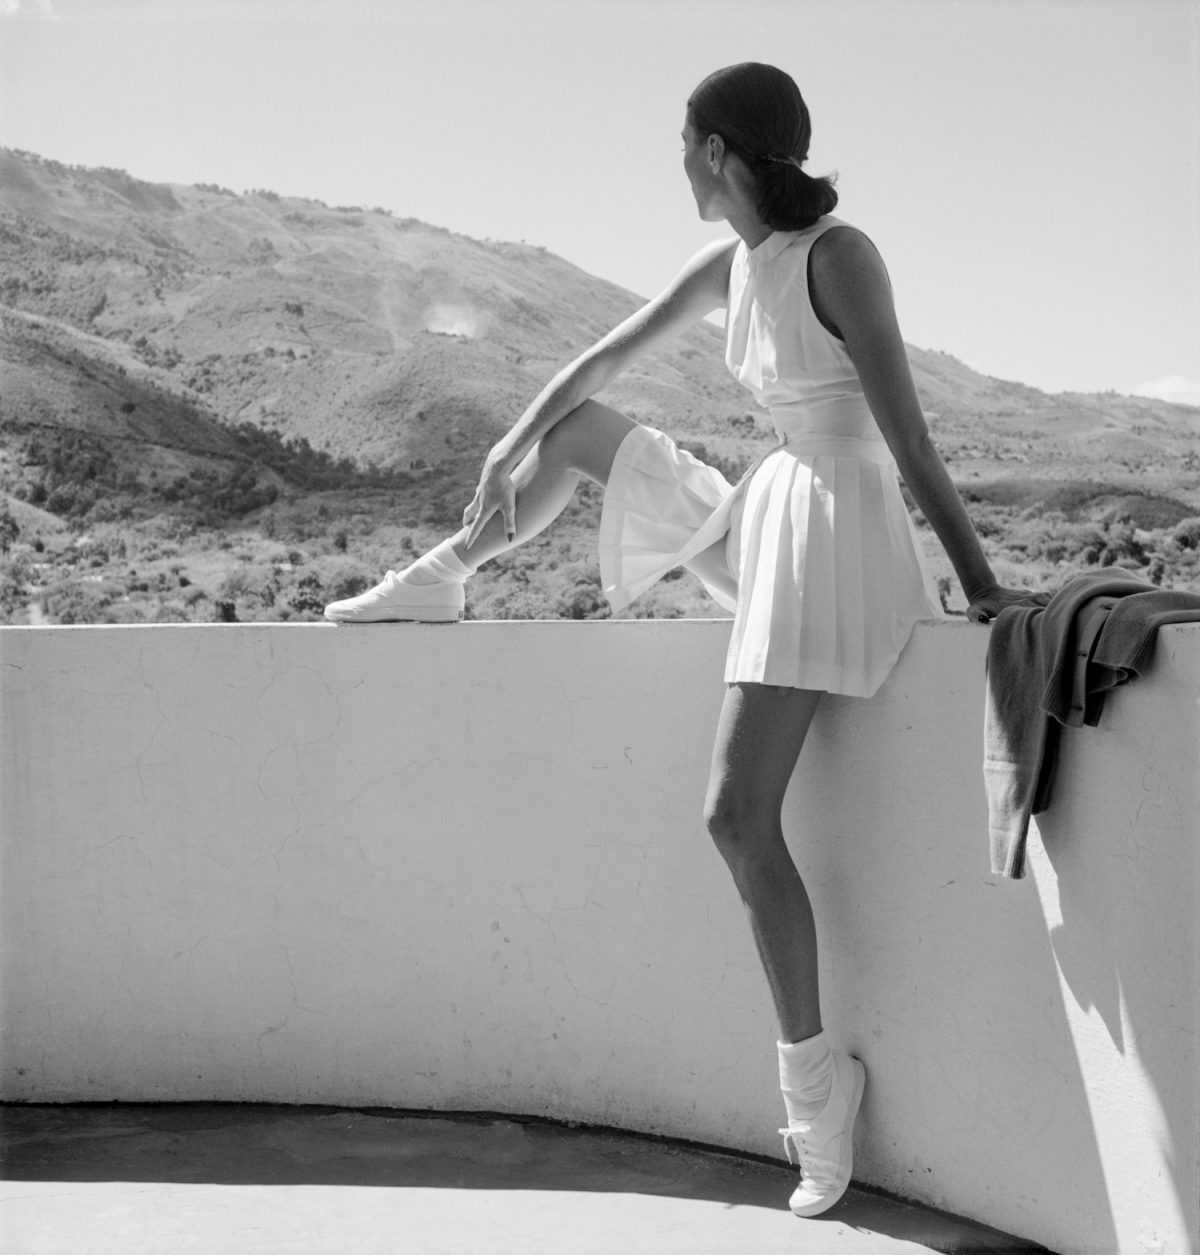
(394, 600)
(824, 1145)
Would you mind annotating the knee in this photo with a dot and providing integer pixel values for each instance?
(741, 827)
(586, 440)
(719, 819)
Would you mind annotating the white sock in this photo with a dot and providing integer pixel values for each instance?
(441, 565)
(805, 1076)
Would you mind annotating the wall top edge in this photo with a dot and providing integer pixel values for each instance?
(956, 624)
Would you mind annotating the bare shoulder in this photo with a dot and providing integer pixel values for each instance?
(711, 263)
(845, 251)
(849, 283)
(717, 250)
(702, 285)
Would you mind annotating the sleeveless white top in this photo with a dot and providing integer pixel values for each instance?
(777, 347)
(830, 573)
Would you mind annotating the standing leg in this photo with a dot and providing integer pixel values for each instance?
(759, 738)
(583, 443)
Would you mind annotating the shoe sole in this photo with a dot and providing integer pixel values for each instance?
(414, 614)
(860, 1084)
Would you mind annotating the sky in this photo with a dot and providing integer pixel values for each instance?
(1030, 169)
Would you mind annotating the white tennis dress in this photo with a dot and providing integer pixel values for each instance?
(829, 568)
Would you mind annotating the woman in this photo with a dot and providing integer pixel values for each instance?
(813, 551)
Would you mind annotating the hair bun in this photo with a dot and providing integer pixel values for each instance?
(759, 113)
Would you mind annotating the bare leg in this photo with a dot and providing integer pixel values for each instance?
(583, 443)
(430, 589)
(759, 738)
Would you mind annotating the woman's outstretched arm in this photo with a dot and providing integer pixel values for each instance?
(700, 287)
(853, 291)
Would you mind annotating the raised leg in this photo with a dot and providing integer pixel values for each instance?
(759, 738)
(583, 443)
(431, 588)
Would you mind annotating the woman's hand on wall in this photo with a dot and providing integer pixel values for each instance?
(985, 606)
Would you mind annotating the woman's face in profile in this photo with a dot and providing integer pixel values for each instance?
(695, 166)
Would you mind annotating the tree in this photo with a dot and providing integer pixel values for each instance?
(9, 528)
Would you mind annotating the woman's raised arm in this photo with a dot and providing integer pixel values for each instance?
(699, 288)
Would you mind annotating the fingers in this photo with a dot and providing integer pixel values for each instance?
(471, 513)
(508, 510)
(481, 509)
(476, 526)
(987, 608)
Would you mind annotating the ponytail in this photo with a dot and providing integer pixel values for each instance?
(789, 198)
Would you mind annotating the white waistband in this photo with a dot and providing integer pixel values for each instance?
(803, 444)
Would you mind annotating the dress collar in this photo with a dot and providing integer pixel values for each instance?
(771, 247)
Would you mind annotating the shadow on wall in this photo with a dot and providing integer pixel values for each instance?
(1110, 891)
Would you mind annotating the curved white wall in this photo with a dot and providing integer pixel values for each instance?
(463, 868)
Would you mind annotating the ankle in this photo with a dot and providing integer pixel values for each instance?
(805, 1076)
(440, 565)
(452, 553)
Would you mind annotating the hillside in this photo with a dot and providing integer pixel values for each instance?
(376, 338)
(213, 372)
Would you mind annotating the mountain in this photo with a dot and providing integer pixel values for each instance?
(383, 340)
(189, 343)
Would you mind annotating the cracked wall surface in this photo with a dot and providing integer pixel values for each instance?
(463, 868)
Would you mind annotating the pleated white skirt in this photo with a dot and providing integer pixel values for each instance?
(829, 569)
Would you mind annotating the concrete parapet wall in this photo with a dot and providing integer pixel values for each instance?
(463, 868)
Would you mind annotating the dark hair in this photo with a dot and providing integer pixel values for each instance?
(759, 113)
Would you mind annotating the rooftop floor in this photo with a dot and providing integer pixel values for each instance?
(222, 1179)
